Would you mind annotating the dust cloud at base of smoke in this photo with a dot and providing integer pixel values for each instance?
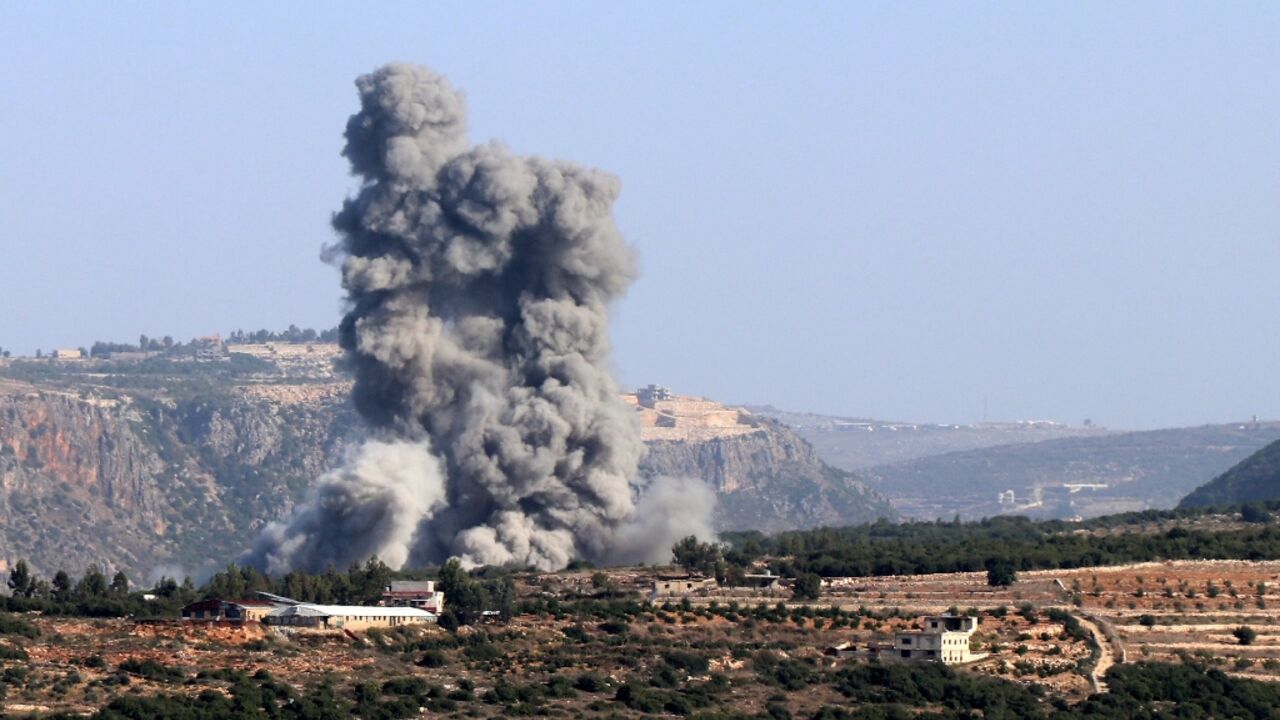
(371, 505)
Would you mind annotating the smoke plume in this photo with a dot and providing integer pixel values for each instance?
(479, 284)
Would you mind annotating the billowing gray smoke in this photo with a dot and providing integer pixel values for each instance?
(479, 284)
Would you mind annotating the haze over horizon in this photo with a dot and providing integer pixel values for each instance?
(887, 211)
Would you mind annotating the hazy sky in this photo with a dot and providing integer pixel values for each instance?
(887, 210)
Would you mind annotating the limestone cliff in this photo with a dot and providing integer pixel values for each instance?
(768, 479)
(175, 468)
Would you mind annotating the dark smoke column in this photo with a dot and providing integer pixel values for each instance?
(478, 284)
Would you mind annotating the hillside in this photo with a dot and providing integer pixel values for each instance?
(1068, 477)
(766, 476)
(855, 444)
(1257, 477)
(169, 465)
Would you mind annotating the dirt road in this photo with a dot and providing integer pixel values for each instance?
(1106, 657)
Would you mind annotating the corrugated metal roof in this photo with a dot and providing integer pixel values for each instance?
(308, 610)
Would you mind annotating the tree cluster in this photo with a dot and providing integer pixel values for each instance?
(293, 334)
(1003, 546)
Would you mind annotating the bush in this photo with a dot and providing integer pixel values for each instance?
(13, 625)
(8, 652)
(694, 663)
(433, 659)
(1245, 634)
(405, 686)
(591, 682)
(152, 670)
(614, 627)
(483, 651)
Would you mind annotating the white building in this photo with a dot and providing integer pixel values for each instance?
(945, 638)
(346, 617)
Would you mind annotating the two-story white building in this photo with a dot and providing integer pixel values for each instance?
(945, 639)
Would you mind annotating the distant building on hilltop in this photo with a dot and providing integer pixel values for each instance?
(650, 394)
(67, 354)
(210, 349)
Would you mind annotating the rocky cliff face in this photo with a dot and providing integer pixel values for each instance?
(78, 479)
(768, 479)
(154, 485)
(178, 479)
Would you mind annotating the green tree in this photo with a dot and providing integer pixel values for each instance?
(120, 583)
(1255, 512)
(93, 584)
(452, 580)
(165, 587)
(1000, 573)
(808, 586)
(695, 556)
(735, 576)
(228, 584)
(374, 576)
(61, 586)
(21, 581)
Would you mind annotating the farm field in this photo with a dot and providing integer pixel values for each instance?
(588, 644)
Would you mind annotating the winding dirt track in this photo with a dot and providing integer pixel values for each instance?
(1106, 657)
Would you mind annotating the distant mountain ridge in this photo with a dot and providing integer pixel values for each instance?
(1069, 477)
(1042, 469)
(857, 444)
(1257, 477)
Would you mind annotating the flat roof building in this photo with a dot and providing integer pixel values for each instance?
(945, 639)
(346, 617)
(414, 593)
(214, 609)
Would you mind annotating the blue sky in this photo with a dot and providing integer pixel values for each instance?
(870, 209)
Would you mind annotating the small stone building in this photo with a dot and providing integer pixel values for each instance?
(241, 611)
(204, 610)
(248, 610)
(682, 585)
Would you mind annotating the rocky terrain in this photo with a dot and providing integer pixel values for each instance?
(766, 476)
(160, 466)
